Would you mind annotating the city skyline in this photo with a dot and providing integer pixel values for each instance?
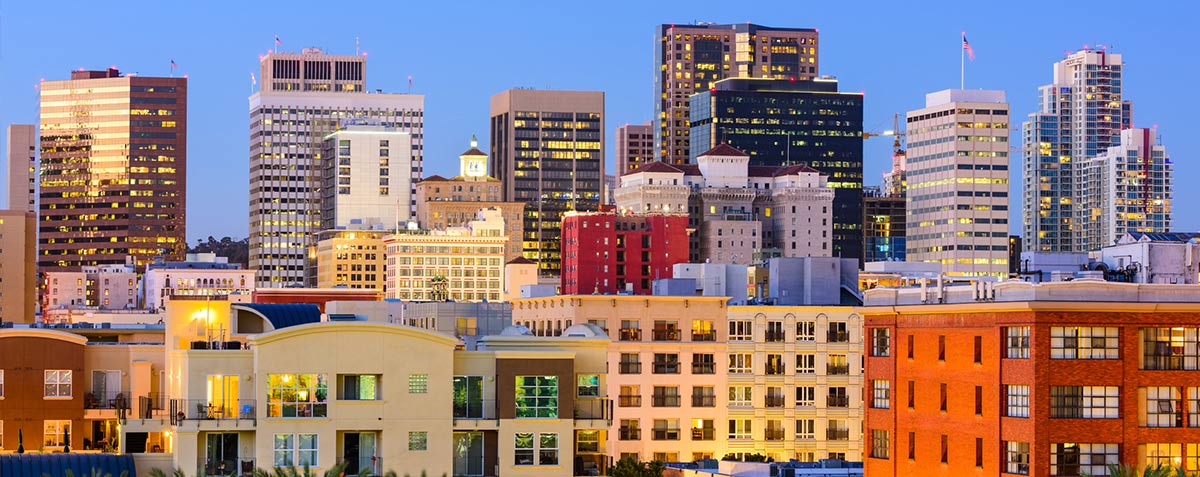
(858, 49)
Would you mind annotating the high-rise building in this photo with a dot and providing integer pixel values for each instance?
(113, 170)
(884, 226)
(635, 146)
(799, 122)
(958, 182)
(359, 186)
(305, 97)
(458, 263)
(547, 149)
(1030, 379)
(1129, 189)
(606, 252)
(691, 58)
(18, 259)
(352, 258)
(1080, 115)
(21, 152)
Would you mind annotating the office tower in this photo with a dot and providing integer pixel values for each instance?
(457, 263)
(801, 122)
(453, 202)
(958, 182)
(607, 252)
(635, 146)
(18, 259)
(691, 58)
(1129, 189)
(304, 98)
(352, 258)
(1030, 379)
(359, 186)
(113, 170)
(547, 149)
(884, 225)
(22, 167)
(1080, 115)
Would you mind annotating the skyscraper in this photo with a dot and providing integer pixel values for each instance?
(305, 97)
(635, 146)
(113, 170)
(1129, 189)
(22, 167)
(884, 225)
(784, 122)
(547, 149)
(958, 182)
(1080, 115)
(358, 184)
(692, 58)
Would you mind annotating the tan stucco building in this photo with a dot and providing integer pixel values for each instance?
(18, 265)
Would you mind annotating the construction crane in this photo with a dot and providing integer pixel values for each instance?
(893, 180)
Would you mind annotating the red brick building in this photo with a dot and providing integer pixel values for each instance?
(604, 252)
(1013, 378)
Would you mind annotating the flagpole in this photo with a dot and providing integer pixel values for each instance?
(962, 65)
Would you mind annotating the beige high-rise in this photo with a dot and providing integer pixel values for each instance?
(958, 182)
(635, 146)
(22, 167)
(18, 272)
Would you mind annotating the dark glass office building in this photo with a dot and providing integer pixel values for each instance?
(884, 225)
(785, 122)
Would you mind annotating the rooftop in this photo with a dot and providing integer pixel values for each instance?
(1083, 291)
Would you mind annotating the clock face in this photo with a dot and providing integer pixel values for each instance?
(475, 168)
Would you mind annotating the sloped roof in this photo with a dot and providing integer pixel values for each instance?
(794, 169)
(656, 166)
(1165, 236)
(723, 150)
(434, 177)
(520, 261)
(57, 465)
(474, 151)
(283, 315)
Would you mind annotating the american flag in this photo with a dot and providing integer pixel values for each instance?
(280, 43)
(967, 46)
(173, 65)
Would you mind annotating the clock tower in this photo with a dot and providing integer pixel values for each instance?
(473, 163)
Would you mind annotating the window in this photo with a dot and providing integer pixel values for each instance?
(1087, 402)
(666, 430)
(945, 449)
(537, 396)
(703, 363)
(912, 446)
(58, 383)
(978, 350)
(630, 330)
(296, 450)
(587, 442)
(912, 395)
(978, 452)
(703, 430)
(418, 440)
(774, 397)
(543, 446)
(1018, 400)
(1084, 342)
(1016, 342)
(297, 395)
(1171, 348)
(837, 430)
(360, 387)
(54, 433)
(1193, 411)
(741, 330)
(740, 429)
(630, 430)
(1080, 459)
(741, 396)
(838, 332)
(418, 383)
(806, 429)
(589, 385)
(702, 330)
(468, 397)
(741, 363)
(630, 363)
(806, 363)
(1, 389)
(978, 400)
(806, 331)
(704, 396)
(775, 332)
(837, 397)
(881, 394)
(666, 363)
(774, 364)
(942, 348)
(665, 396)
(1160, 407)
(911, 345)
(879, 444)
(837, 365)
(944, 404)
(881, 342)
(1016, 460)
(806, 396)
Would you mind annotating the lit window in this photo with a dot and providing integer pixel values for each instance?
(418, 383)
(297, 395)
(55, 433)
(58, 383)
(537, 396)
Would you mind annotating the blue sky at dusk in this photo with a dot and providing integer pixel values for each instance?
(459, 54)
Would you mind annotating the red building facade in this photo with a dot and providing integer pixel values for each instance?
(1058, 382)
(605, 252)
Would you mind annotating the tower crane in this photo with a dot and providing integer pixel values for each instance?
(893, 180)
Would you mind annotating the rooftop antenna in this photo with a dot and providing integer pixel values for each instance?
(356, 46)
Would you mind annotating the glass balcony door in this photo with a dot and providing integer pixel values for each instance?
(222, 396)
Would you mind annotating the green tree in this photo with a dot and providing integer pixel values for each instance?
(1160, 470)
(630, 467)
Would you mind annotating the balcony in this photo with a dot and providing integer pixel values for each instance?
(475, 414)
(665, 401)
(704, 401)
(704, 434)
(629, 434)
(837, 369)
(837, 434)
(774, 401)
(629, 401)
(665, 435)
(704, 368)
(593, 413)
(666, 367)
(837, 401)
(151, 406)
(775, 336)
(631, 334)
(630, 368)
(704, 336)
(838, 337)
(205, 414)
(666, 334)
(774, 434)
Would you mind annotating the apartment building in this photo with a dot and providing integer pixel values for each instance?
(459, 263)
(607, 252)
(201, 274)
(103, 287)
(352, 257)
(1014, 378)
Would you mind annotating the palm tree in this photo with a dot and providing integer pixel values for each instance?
(1159, 470)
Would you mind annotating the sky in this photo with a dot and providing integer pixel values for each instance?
(461, 53)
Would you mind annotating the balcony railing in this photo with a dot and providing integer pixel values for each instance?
(774, 401)
(150, 405)
(631, 368)
(704, 336)
(837, 434)
(629, 401)
(666, 367)
(837, 401)
(470, 409)
(838, 337)
(593, 408)
(630, 434)
(774, 434)
(775, 336)
(704, 401)
(112, 400)
(667, 334)
(665, 401)
(704, 368)
(703, 434)
(665, 435)
(631, 334)
(837, 369)
(202, 409)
